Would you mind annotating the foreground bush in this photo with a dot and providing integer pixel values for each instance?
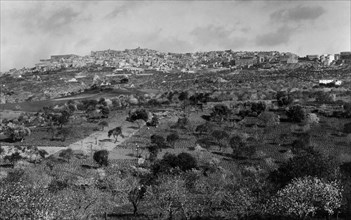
(101, 157)
(305, 197)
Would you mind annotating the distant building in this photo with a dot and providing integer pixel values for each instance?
(246, 61)
(345, 57)
(312, 57)
(327, 59)
(289, 58)
(64, 57)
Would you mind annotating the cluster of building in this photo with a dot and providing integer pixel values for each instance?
(137, 60)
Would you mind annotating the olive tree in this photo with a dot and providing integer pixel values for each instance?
(303, 197)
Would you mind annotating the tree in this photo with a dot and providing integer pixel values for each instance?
(269, 119)
(204, 128)
(172, 138)
(183, 95)
(312, 118)
(296, 113)
(102, 101)
(154, 121)
(186, 161)
(183, 123)
(308, 163)
(137, 114)
(17, 133)
(105, 111)
(284, 98)
(103, 124)
(347, 128)
(153, 152)
(220, 112)
(165, 197)
(258, 107)
(64, 133)
(221, 137)
(240, 146)
(158, 140)
(304, 197)
(101, 157)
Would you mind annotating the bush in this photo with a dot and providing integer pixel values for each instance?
(66, 154)
(296, 113)
(101, 157)
(137, 114)
(182, 161)
(103, 124)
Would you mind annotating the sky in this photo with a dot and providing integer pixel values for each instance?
(34, 30)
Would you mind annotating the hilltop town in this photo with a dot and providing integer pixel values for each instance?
(64, 75)
(138, 60)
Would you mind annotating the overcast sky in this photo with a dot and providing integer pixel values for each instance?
(33, 30)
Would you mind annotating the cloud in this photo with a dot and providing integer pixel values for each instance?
(56, 22)
(299, 13)
(124, 8)
(280, 36)
(217, 36)
(82, 43)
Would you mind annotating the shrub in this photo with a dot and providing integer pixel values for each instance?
(103, 124)
(66, 154)
(137, 114)
(101, 157)
(296, 113)
(183, 161)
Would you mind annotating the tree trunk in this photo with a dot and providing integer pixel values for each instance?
(135, 208)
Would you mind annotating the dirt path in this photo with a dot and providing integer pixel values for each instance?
(100, 141)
